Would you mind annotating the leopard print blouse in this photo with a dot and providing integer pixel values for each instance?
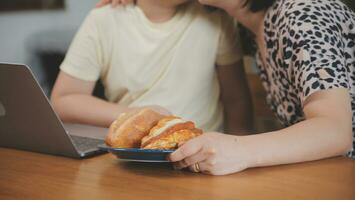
(310, 46)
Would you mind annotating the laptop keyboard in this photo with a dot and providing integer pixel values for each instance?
(84, 144)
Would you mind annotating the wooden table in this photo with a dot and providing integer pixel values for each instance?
(26, 175)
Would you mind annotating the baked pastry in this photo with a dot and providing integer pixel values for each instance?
(129, 129)
(169, 132)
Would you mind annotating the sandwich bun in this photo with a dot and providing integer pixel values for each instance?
(129, 129)
(169, 132)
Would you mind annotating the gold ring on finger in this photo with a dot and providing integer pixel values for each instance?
(197, 167)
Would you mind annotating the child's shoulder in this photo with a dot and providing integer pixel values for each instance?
(105, 13)
(211, 15)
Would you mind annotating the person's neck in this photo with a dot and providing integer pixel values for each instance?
(254, 21)
(157, 12)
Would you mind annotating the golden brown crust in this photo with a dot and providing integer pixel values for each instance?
(172, 136)
(183, 126)
(162, 123)
(172, 139)
(120, 120)
(128, 130)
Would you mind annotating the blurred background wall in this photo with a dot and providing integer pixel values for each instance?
(24, 35)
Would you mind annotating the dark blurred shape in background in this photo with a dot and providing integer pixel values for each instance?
(16, 5)
(351, 4)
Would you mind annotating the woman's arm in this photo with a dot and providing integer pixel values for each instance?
(73, 101)
(326, 132)
(236, 98)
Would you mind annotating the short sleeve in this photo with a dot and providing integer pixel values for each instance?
(315, 54)
(84, 59)
(229, 47)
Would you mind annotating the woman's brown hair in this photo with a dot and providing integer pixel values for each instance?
(248, 43)
(258, 5)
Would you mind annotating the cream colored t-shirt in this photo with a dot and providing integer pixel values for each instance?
(171, 64)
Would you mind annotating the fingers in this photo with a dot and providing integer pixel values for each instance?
(181, 143)
(116, 3)
(200, 157)
(126, 2)
(190, 148)
(206, 166)
(162, 111)
(102, 3)
(159, 109)
(207, 2)
(121, 2)
(191, 160)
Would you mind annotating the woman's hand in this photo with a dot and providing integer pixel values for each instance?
(114, 2)
(214, 153)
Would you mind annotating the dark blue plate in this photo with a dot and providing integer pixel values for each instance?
(139, 155)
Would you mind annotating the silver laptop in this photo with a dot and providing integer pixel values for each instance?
(28, 122)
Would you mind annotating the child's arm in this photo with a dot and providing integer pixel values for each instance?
(73, 101)
(236, 98)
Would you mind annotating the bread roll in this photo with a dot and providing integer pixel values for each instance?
(129, 129)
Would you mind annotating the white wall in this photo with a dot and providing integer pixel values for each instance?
(16, 28)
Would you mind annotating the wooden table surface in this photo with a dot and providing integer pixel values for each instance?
(26, 175)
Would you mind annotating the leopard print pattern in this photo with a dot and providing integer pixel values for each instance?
(310, 46)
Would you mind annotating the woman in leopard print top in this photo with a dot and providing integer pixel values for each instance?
(306, 56)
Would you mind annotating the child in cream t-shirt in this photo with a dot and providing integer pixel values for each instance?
(171, 64)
